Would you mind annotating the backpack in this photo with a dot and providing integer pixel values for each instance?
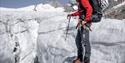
(97, 10)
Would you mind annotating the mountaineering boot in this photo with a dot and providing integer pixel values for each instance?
(77, 60)
(86, 60)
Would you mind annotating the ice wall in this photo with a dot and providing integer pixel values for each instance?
(18, 37)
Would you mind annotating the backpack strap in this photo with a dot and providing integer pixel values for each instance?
(100, 7)
(99, 3)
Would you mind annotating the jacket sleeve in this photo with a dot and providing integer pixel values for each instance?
(87, 6)
(76, 13)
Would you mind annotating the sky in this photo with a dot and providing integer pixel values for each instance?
(23, 3)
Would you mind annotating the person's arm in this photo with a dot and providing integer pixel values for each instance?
(76, 13)
(88, 7)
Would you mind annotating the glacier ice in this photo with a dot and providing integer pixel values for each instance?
(41, 35)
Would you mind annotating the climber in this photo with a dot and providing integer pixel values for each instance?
(84, 22)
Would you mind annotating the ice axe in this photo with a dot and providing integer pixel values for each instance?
(67, 28)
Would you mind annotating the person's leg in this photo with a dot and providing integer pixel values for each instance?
(79, 45)
(87, 47)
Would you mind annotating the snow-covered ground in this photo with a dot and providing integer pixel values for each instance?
(39, 7)
(41, 33)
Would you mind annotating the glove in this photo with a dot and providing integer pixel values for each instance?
(85, 26)
(68, 16)
(81, 23)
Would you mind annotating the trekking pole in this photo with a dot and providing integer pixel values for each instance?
(67, 28)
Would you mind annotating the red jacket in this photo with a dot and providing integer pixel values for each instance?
(88, 9)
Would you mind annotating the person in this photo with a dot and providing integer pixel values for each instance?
(84, 22)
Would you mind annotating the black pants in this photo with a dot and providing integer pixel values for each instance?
(83, 45)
